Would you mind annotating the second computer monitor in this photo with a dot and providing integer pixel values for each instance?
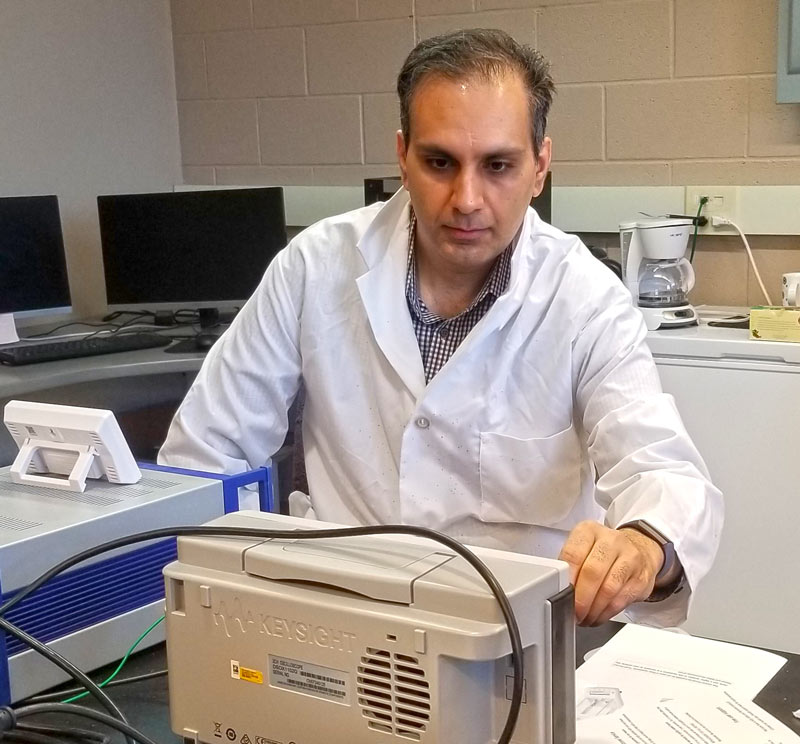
(188, 249)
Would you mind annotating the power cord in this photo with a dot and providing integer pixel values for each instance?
(27, 733)
(56, 697)
(720, 221)
(46, 334)
(184, 317)
(135, 321)
(120, 724)
(81, 735)
(113, 674)
(64, 664)
(10, 716)
(696, 220)
(119, 313)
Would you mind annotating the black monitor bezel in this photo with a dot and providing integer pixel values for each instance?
(274, 200)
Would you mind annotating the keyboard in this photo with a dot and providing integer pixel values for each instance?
(80, 347)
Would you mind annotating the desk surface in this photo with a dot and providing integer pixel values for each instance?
(146, 704)
(31, 378)
(123, 382)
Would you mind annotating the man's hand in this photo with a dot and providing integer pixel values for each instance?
(609, 569)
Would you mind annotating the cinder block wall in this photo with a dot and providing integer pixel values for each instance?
(651, 92)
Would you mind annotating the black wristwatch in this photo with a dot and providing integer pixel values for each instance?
(670, 578)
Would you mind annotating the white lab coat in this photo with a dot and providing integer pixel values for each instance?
(549, 412)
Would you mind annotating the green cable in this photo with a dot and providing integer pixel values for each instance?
(703, 200)
(119, 666)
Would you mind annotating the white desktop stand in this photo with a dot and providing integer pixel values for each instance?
(69, 442)
(75, 480)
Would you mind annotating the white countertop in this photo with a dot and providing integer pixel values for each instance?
(711, 342)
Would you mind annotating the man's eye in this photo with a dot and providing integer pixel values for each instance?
(498, 166)
(438, 163)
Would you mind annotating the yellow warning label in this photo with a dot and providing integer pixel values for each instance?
(251, 675)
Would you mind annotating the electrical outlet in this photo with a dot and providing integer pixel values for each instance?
(723, 201)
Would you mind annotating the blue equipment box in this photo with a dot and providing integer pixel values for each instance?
(94, 612)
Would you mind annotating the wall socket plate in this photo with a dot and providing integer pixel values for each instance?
(723, 202)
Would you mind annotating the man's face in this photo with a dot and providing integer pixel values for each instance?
(470, 168)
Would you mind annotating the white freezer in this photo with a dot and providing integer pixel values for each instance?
(740, 401)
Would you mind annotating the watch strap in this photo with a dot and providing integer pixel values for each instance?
(670, 577)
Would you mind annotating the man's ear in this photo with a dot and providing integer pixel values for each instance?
(401, 156)
(542, 165)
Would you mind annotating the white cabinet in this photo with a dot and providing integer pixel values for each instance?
(740, 401)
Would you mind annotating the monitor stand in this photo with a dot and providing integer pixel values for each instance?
(8, 329)
(209, 316)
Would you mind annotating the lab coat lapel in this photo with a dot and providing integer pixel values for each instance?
(385, 250)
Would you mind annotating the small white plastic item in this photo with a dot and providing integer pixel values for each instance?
(62, 446)
(599, 701)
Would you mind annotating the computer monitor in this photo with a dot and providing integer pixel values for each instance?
(188, 249)
(33, 266)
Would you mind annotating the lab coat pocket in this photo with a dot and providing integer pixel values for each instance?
(530, 481)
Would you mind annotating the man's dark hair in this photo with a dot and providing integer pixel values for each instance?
(485, 53)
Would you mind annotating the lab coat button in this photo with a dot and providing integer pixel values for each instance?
(422, 422)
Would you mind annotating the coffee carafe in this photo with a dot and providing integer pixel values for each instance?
(656, 271)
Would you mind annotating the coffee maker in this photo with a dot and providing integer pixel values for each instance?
(656, 271)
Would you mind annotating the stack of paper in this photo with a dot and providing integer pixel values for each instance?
(649, 686)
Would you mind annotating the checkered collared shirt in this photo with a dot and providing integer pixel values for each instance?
(439, 337)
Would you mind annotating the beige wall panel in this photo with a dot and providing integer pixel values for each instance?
(576, 123)
(611, 41)
(190, 67)
(442, 7)
(495, 4)
(774, 127)
(352, 175)
(381, 122)
(305, 131)
(723, 127)
(610, 174)
(302, 12)
(357, 57)
(198, 175)
(741, 172)
(263, 175)
(521, 24)
(250, 64)
(720, 267)
(371, 10)
(687, 119)
(724, 37)
(774, 255)
(210, 15)
(218, 132)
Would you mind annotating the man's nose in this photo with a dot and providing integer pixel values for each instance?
(467, 191)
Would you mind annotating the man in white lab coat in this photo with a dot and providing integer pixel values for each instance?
(466, 366)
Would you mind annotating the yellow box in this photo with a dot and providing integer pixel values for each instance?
(775, 323)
